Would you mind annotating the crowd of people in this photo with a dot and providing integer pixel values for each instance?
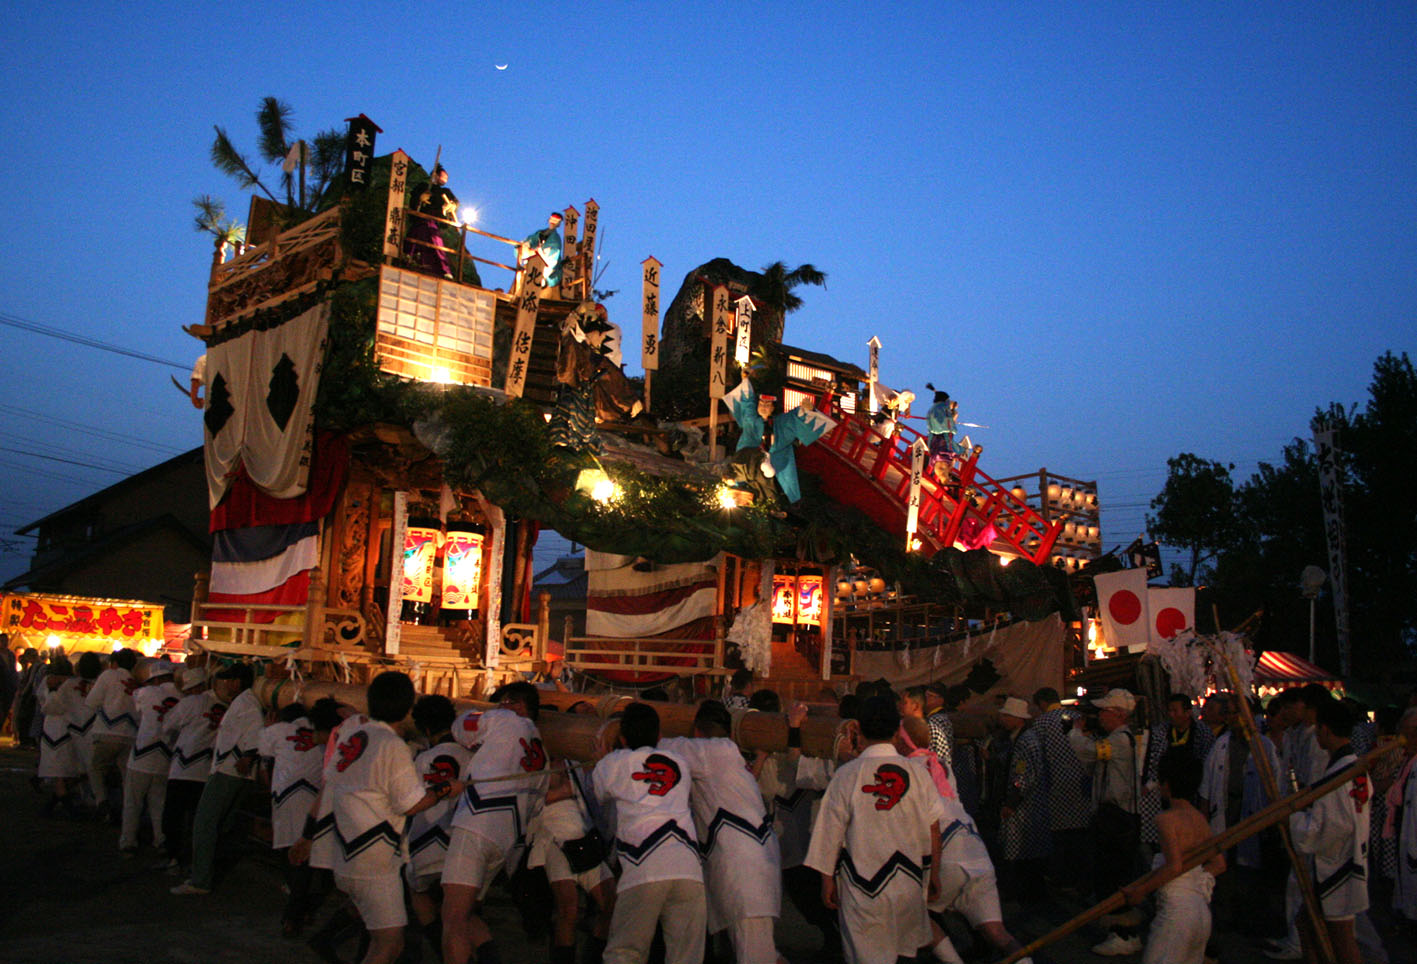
(676, 847)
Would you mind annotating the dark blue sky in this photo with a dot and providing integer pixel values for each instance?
(1113, 231)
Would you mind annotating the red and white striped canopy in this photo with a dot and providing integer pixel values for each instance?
(1281, 669)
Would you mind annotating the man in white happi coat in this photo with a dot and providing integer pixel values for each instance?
(145, 784)
(191, 725)
(792, 786)
(293, 750)
(115, 725)
(445, 760)
(506, 785)
(1333, 833)
(370, 790)
(661, 879)
(876, 842)
(742, 861)
(234, 757)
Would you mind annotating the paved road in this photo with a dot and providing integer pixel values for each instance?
(68, 897)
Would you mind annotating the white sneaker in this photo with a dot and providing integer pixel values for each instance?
(187, 888)
(1116, 945)
(1281, 951)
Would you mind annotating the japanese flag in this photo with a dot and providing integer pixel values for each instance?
(1122, 602)
(1172, 610)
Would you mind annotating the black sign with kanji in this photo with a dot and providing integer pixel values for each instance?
(359, 152)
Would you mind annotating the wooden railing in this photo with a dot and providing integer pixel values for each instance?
(311, 631)
(644, 655)
(969, 493)
(264, 275)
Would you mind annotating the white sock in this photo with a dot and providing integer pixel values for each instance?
(945, 952)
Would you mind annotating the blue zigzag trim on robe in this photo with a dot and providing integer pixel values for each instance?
(187, 761)
(791, 803)
(382, 831)
(82, 728)
(323, 825)
(128, 718)
(759, 832)
(897, 863)
(55, 743)
(955, 827)
(1350, 870)
(479, 804)
(669, 830)
(434, 835)
(294, 788)
(160, 748)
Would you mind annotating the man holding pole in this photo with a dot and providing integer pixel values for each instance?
(1333, 833)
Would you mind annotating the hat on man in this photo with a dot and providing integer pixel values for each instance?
(940, 688)
(1117, 699)
(1015, 707)
(160, 667)
(190, 676)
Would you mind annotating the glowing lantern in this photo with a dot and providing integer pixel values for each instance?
(462, 567)
(420, 549)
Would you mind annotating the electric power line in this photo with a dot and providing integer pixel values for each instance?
(90, 430)
(33, 326)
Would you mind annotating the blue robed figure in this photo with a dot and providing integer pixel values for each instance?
(803, 425)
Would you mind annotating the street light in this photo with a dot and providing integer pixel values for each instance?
(1311, 580)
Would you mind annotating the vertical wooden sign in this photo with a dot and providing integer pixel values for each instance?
(527, 304)
(649, 322)
(743, 345)
(570, 262)
(918, 451)
(587, 249)
(393, 214)
(718, 350)
(874, 373)
(393, 629)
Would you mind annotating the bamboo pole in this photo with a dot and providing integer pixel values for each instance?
(1271, 787)
(1203, 851)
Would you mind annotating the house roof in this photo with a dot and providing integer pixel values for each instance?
(824, 361)
(103, 495)
(86, 552)
(563, 579)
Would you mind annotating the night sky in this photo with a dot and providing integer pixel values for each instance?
(1114, 232)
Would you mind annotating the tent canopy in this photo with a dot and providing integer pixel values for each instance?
(1277, 668)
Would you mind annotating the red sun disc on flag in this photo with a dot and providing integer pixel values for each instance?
(1125, 607)
(1169, 622)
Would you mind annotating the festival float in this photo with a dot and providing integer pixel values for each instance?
(386, 433)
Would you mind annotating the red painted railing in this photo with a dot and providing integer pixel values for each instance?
(969, 502)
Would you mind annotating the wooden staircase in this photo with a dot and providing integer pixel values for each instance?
(793, 677)
(858, 466)
(447, 664)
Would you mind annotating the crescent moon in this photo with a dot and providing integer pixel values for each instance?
(500, 66)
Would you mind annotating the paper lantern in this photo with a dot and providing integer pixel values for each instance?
(420, 548)
(462, 566)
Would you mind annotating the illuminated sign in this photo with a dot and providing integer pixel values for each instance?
(70, 617)
(797, 600)
(462, 569)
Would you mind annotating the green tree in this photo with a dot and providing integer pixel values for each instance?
(275, 129)
(774, 289)
(1380, 461)
(1195, 509)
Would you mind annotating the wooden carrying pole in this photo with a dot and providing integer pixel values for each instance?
(1271, 787)
(573, 736)
(1206, 849)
